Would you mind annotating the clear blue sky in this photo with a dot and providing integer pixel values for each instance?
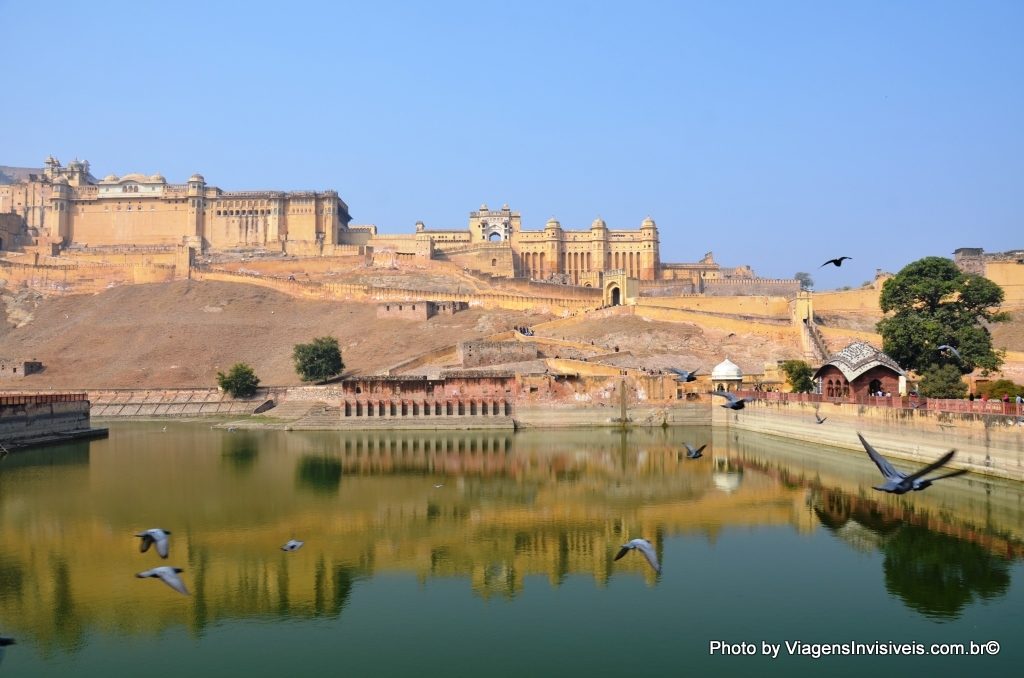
(777, 134)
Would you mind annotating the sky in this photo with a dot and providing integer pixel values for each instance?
(775, 134)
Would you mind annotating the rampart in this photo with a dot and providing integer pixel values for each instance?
(481, 353)
(758, 306)
(769, 287)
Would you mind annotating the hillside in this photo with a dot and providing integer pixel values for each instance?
(180, 334)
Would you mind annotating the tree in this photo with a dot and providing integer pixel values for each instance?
(806, 282)
(798, 373)
(933, 303)
(239, 382)
(319, 360)
(1000, 387)
(942, 381)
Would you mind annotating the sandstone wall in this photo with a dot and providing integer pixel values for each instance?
(759, 306)
(771, 287)
(985, 443)
(480, 353)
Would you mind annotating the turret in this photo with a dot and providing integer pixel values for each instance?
(650, 260)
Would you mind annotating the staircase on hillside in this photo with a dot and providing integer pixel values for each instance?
(815, 347)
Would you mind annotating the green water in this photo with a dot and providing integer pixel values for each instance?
(506, 569)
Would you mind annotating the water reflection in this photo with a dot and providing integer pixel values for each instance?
(487, 509)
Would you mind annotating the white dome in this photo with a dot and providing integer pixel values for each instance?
(726, 370)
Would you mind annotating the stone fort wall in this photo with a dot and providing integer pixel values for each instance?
(482, 353)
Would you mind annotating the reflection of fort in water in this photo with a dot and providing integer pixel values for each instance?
(508, 506)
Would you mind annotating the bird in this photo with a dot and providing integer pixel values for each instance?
(156, 536)
(438, 486)
(821, 420)
(838, 262)
(169, 575)
(163, 430)
(293, 545)
(645, 548)
(898, 482)
(692, 453)
(734, 402)
(683, 375)
(947, 347)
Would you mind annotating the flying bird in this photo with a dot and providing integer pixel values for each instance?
(734, 402)
(947, 347)
(821, 420)
(838, 262)
(155, 536)
(645, 548)
(683, 375)
(898, 482)
(293, 545)
(694, 453)
(169, 575)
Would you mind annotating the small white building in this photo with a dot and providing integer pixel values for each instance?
(726, 376)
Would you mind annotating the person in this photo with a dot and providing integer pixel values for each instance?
(1019, 400)
(971, 397)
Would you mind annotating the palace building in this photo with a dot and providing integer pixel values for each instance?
(67, 207)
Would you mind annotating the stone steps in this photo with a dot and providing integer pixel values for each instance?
(295, 410)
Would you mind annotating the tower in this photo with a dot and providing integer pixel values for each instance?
(60, 202)
(552, 248)
(196, 209)
(650, 264)
(598, 245)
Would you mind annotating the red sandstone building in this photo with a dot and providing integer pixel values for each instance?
(860, 371)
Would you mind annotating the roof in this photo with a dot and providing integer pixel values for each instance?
(858, 358)
(726, 369)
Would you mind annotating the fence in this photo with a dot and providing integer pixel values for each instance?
(898, 402)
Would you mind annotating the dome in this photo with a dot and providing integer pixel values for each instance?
(552, 223)
(135, 176)
(110, 178)
(197, 178)
(599, 223)
(726, 370)
(483, 207)
(158, 179)
(61, 180)
(648, 223)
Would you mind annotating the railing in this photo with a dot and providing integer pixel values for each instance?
(896, 402)
(20, 399)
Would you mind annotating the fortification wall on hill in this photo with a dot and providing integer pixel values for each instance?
(86, 278)
(769, 287)
(862, 300)
(760, 306)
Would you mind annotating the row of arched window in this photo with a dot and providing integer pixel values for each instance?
(837, 388)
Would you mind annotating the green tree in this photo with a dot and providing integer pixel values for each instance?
(240, 381)
(318, 360)
(1000, 387)
(799, 373)
(934, 303)
(942, 381)
(806, 282)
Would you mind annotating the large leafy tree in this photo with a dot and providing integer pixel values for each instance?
(240, 381)
(318, 360)
(933, 303)
(799, 374)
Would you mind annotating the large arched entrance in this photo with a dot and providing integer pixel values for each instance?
(615, 295)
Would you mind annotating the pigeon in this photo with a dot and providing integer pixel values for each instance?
(898, 482)
(734, 402)
(683, 375)
(293, 545)
(821, 420)
(692, 453)
(947, 347)
(838, 262)
(169, 575)
(155, 536)
(645, 548)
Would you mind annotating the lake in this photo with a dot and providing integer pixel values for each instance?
(491, 554)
